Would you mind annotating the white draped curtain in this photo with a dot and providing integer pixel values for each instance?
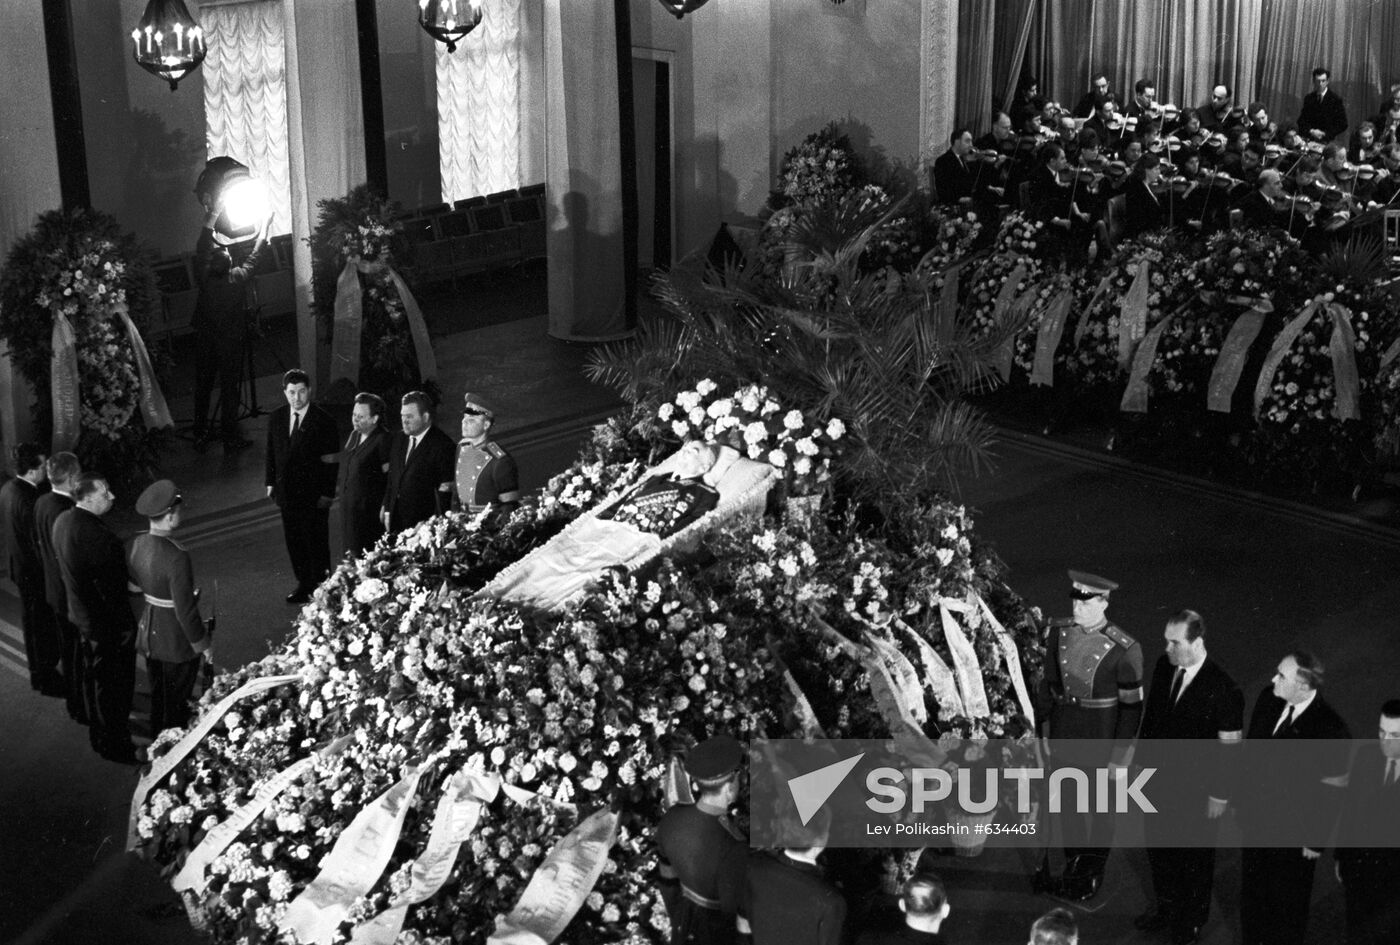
(478, 97)
(245, 95)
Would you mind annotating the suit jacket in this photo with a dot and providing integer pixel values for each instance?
(1213, 704)
(952, 177)
(1282, 774)
(789, 901)
(362, 489)
(93, 563)
(1327, 114)
(412, 495)
(163, 569)
(1370, 828)
(17, 500)
(47, 509)
(294, 469)
(1144, 209)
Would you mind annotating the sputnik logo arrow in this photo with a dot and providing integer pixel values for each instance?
(811, 790)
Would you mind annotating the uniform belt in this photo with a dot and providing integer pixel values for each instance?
(1105, 703)
(704, 902)
(159, 602)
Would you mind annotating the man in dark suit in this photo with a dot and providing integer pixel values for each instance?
(1190, 696)
(420, 467)
(1324, 114)
(787, 898)
(1294, 768)
(172, 635)
(42, 647)
(923, 905)
(953, 177)
(63, 470)
(365, 468)
(300, 438)
(1368, 839)
(93, 563)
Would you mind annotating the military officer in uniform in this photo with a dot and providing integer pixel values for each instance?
(172, 636)
(702, 852)
(486, 474)
(1091, 701)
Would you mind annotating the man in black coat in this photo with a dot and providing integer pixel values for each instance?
(1190, 697)
(1368, 839)
(788, 899)
(93, 563)
(301, 437)
(63, 470)
(1324, 114)
(923, 905)
(421, 467)
(953, 178)
(17, 500)
(1295, 764)
(365, 468)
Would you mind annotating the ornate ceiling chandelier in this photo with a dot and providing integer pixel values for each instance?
(679, 8)
(447, 21)
(168, 42)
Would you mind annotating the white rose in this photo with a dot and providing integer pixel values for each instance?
(793, 420)
(680, 428)
(802, 466)
(777, 458)
(720, 408)
(696, 416)
(755, 432)
(835, 429)
(706, 386)
(665, 412)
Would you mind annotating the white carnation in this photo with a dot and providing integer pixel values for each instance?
(793, 420)
(835, 429)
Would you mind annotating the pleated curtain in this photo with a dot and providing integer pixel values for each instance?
(245, 95)
(478, 98)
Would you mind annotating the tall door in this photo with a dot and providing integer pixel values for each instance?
(651, 79)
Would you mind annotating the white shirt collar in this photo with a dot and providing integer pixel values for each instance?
(1298, 709)
(1188, 675)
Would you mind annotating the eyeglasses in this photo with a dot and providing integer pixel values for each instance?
(1077, 594)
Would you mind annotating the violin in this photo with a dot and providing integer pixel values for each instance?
(988, 154)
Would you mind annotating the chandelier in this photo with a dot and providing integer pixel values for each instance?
(679, 8)
(168, 42)
(445, 22)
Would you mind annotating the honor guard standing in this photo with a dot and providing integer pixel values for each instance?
(702, 852)
(486, 474)
(1091, 699)
(172, 636)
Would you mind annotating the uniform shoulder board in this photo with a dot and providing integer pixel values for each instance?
(494, 449)
(1119, 637)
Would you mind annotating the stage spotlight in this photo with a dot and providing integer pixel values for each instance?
(241, 199)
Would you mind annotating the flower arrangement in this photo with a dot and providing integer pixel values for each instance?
(83, 266)
(823, 165)
(574, 711)
(752, 421)
(1093, 363)
(1017, 239)
(363, 226)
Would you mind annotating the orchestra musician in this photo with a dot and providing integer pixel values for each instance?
(1068, 140)
(1144, 100)
(1236, 140)
(954, 179)
(1269, 205)
(1260, 127)
(1324, 114)
(1027, 95)
(1099, 90)
(1146, 194)
(1001, 138)
(1388, 123)
(1107, 124)
(1214, 113)
(1364, 148)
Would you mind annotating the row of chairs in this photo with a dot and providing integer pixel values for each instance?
(476, 234)
(271, 291)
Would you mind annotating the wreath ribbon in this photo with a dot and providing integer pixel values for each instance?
(1047, 338)
(63, 384)
(1136, 393)
(965, 662)
(1229, 365)
(154, 410)
(348, 321)
(1132, 313)
(1342, 347)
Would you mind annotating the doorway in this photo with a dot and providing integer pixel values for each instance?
(652, 111)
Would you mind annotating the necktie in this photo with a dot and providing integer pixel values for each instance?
(352, 442)
(1392, 772)
(412, 442)
(1284, 722)
(1177, 680)
(296, 424)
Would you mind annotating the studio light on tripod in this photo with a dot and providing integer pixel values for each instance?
(241, 197)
